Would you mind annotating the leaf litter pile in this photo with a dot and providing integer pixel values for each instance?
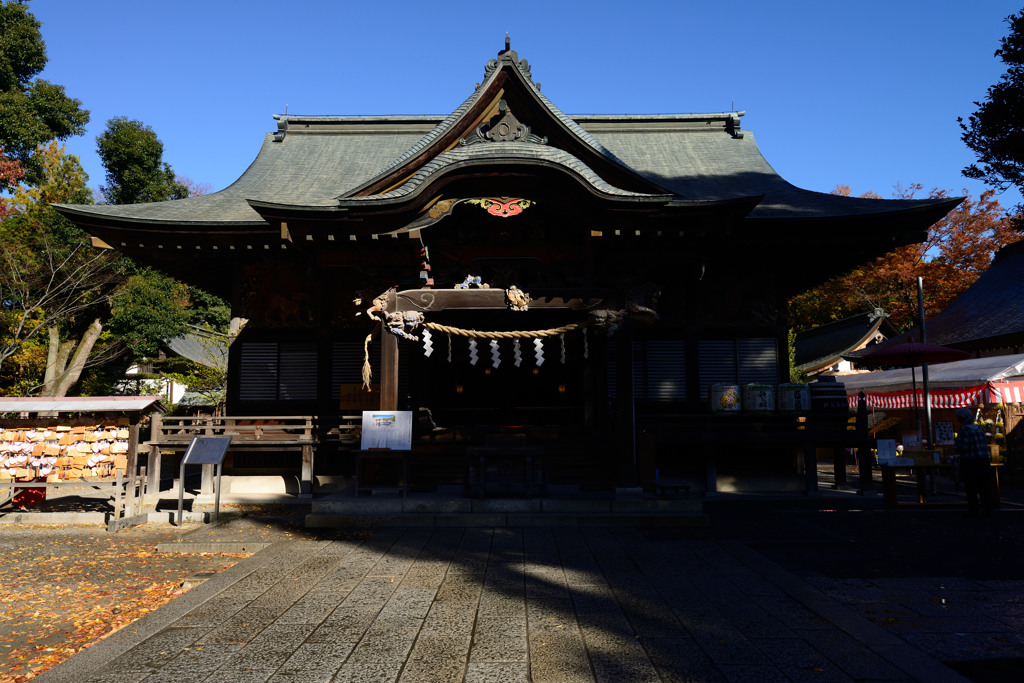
(63, 588)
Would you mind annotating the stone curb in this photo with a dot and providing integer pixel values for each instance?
(228, 547)
(48, 518)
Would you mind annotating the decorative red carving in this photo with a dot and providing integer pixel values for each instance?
(503, 207)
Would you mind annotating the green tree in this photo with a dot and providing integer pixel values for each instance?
(133, 158)
(32, 112)
(52, 283)
(995, 131)
(148, 308)
(92, 310)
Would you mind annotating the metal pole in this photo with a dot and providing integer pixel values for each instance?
(181, 489)
(216, 502)
(924, 366)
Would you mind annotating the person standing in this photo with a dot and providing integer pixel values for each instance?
(975, 464)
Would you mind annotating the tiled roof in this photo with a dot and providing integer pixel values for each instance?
(307, 168)
(313, 161)
(990, 314)
(508, 57)
(497, 152)
(825, 345)
(715, 165)
(314, 169)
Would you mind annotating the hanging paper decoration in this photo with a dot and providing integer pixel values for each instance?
(538, 351)
(495, 354)
(561, 338)
(473, 357)
(449, 348)
(428, 344)
(586, 344)
(517, 353)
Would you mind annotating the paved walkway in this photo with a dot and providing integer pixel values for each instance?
(504, 605)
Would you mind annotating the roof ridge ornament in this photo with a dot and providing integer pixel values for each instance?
(282, 128)
(503, 127)
(509, 56)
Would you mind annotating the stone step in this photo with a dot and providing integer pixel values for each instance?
(371, 511)
(420, 505)
(504, 519)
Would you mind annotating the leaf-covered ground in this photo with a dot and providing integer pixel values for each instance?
(63, 588)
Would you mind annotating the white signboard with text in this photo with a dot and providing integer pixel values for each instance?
(387, 429)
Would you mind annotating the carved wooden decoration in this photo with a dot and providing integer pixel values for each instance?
(503, 207)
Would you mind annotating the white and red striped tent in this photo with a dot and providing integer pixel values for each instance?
(962, 383)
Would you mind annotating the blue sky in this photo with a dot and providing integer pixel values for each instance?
(865, 94)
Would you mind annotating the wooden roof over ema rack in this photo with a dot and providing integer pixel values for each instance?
(81, 404)
(324, 183)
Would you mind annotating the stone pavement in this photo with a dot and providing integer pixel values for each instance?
(504, 605)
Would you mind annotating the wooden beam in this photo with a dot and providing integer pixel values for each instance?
(428, 300)
(389, 363)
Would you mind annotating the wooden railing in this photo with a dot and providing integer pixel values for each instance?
(263, 428)
(270, 432)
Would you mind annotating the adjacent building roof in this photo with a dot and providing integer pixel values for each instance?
(957, 374)
(824, 346)
(201, 346)
(989, 315)
(81, 404)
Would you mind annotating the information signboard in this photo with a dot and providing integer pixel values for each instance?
(387, 430)
(203, 450)
(207, 450)
(944, 433)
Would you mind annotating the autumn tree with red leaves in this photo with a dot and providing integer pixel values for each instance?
(958, 250)
(10, 173)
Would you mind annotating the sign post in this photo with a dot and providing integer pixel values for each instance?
(203, 450)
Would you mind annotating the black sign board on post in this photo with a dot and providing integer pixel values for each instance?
(203, 450)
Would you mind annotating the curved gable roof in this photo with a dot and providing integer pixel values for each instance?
(823, 346)
(507, 78)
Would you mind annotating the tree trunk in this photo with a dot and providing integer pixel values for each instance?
(65, 372)
(57, 354)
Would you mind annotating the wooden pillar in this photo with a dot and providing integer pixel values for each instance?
(153, 469)
(864, 446)
(133, 448)
(306, 478)
(388, 371)
(810, 467)
(710, 470)
(839, 466)
(153, 463)
(625, 419)
(206, 483)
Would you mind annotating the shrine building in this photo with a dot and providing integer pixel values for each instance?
(581, 282)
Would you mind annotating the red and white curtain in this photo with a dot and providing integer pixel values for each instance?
(990, 392)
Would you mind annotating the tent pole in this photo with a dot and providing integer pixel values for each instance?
(917, 404)
(924, 366)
